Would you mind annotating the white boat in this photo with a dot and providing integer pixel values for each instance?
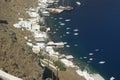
(75, 34)
(67, 32)
(101, 62)
(90, 54)
(96, 50)
(76, 30)
(60, 18)
(112, 78)
(54, 10)
(75, 44)
(67, 28)
(67, 20)
(78, 3)
(67, 45)
(90, 59)
(67, 8)
(62, 24)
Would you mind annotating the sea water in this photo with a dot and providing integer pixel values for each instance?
(92, 33)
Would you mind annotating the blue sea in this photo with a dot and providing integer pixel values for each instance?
(92, 33)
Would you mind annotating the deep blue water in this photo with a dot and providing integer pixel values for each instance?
(98, 22)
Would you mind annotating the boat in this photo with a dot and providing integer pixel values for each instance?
(62, 24)
(90, 54)
(67, 8)
(67, 45)
(112, 78)
(54, 10)
(101, 62)
(67, 32)
(76, 34)
(78, 3)
(76, 30)
(67, 20)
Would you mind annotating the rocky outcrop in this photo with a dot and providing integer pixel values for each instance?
(16, 57)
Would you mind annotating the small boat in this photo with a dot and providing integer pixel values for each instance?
(67, 28)
(60, 18)
(90, 54)
(67, 8)
(101, 62)
(78, 3)
(54, 10)
(75, 34)
(75, 44)
(67, 32)
(90, 59)
(112, 78)
(67, 20)
(75, 30)
(96, 50)
(67, 45)
(62, 24)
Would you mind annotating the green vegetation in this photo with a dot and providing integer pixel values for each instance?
(43, 29)
(41, 23)
(60, 65)
(40, 56)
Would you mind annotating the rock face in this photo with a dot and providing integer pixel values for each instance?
(16, 57)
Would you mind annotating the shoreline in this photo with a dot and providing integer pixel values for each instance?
(37, 47)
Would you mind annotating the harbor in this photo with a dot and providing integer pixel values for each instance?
(42, 45)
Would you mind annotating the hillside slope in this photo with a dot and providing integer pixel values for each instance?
(16, 57)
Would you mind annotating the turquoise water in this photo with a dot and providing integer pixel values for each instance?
(98, 32)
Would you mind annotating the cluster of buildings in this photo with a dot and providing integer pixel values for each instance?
(40, 37)
(41, 43)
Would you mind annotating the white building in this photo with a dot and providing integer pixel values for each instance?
(36, 49)
(35, 27)
(67, 63)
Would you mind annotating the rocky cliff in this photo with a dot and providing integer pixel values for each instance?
(16, 57)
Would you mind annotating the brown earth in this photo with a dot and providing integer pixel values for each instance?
(16, 57)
